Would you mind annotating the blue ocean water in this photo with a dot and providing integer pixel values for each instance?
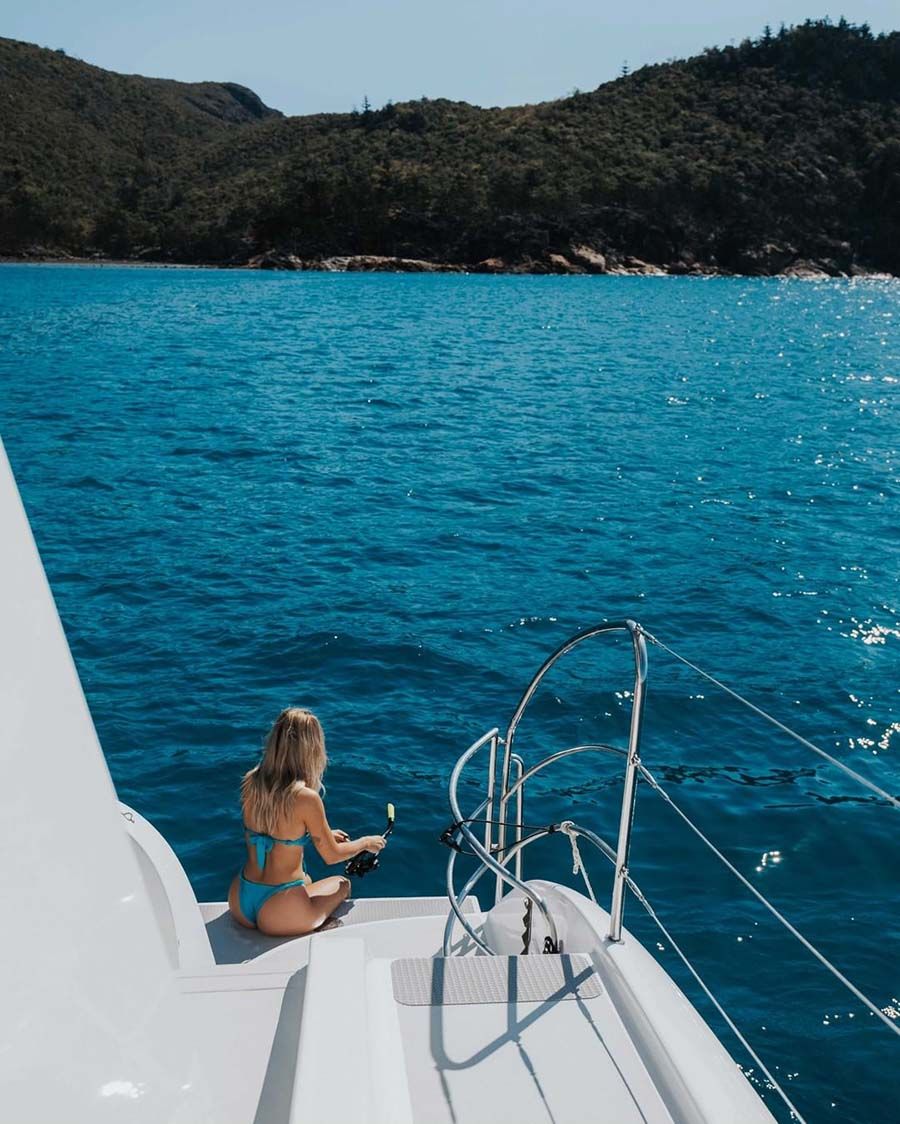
(389, 497)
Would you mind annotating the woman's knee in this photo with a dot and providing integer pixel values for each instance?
(327, 887)
(340, 893)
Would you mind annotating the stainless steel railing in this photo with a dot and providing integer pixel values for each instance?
(496, 853)
(639, 648)
(461, 825)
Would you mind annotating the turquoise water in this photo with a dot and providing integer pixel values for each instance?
(389, 497)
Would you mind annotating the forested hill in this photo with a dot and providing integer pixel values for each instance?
(781, 154)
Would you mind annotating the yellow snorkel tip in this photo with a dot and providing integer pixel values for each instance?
(390, 811)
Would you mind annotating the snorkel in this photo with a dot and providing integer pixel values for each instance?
(365, 862)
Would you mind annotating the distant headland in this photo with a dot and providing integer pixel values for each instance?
(777, 156)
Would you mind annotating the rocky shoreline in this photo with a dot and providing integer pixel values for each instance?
(769, 261)
(775, 157)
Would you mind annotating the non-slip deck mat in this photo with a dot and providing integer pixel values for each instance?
(359, 911)
(434, 982)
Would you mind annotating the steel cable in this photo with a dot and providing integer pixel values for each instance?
(836, 972)
(858, 777)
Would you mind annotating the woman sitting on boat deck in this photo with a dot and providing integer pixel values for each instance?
(282, 809)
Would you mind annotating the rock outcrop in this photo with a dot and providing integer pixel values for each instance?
(590, 260)
(558, 263)
(636, 265)
(376, 263)
(275, 259)
(807, 270)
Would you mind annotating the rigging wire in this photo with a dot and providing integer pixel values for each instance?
(455, 826)
(858, 777)
(836, 972)
(795, 1113)
(447, 835)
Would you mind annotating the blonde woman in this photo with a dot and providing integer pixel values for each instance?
(282, 808)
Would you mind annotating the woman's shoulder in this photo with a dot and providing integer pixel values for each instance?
(304, 796)
(307, 809)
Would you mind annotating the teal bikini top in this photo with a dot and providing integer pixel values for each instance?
(264, 844)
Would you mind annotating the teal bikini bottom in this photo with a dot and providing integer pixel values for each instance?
(252, 896)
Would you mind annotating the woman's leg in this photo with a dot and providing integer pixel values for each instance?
(300, 910)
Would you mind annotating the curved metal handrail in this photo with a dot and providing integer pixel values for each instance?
(516, 851)
(517, 786)
(504, 854)
(640, 657)
(456, 911)
(451, 863)
(470, 885)
(487, 859)
(639, 649)
(592, 747)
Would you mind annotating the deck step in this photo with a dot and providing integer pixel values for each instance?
(334, 1028)
(350, 1052)
(497, 1041)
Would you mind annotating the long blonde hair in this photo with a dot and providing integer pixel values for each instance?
(294, 753)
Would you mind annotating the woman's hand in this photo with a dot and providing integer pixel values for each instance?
(374, 843)
(340, 836)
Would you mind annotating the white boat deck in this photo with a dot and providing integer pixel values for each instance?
(557, 1060)
(252, 1012)
(367, 1020)
(287, 1026)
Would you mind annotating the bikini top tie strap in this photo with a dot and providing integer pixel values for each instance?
(263, 845)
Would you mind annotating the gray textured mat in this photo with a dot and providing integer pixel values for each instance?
(427, 982)
(355, 911)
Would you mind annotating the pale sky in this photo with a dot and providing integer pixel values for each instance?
(304, 57)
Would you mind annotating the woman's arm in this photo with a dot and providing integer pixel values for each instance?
(309, 805)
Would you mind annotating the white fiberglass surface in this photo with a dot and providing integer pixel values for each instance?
(526, 1063)
(695, 1074)
(92, 1018)
(249, 1024)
